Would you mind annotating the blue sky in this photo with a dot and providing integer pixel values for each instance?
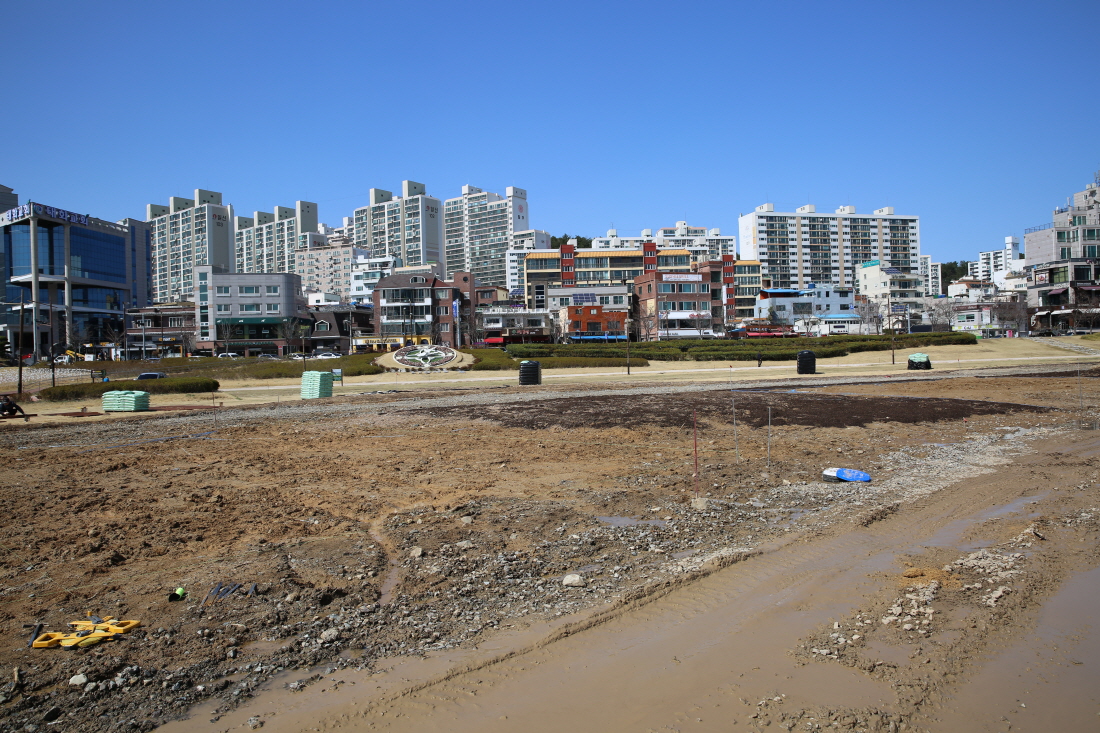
(978, 116)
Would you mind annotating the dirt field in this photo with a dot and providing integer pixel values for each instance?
(387, 528)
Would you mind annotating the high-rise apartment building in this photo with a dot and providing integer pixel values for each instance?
(408, 227)
(930, 274)
(704, 244)
(801, 247)
(328, 269)
(523, 242)
(267, 242)
(479, 227)
(188, 233)
(997, 260)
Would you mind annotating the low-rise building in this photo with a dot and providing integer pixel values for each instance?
(897, 292)
(972, 288)
(676, 305)
(336, 328)
(424, 309)
(163, 330)
(804, 305)
(248, 313)
(501, 324)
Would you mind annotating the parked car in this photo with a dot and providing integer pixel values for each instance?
(152, 375)
(326, 355)
(299, 356)
(229, 355)
(267, 357)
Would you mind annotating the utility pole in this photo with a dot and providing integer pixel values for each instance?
(19, 390)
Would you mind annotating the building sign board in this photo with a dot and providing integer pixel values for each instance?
(22, 212)
(681, 277)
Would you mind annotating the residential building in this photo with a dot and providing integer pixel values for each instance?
(523, 242)
(367, 271)
(1062, 260)
(425, 309)
(931, 274)
(248, 313)
(702, 243)
(897, 292)
(8, 198)
(672, 305)
(267, 242)
(747, 284)
(586, 268)
(337, 327)
(188, 233)
(997, 260)
(800, 247)
(586, 321)
(408, 227)
(971, 288)
(329, 269)
(340, 236)
(802, 307)
(163, 330)
(480, 226)
(75, 274)
(504, 324)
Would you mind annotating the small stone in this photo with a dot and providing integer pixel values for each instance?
(465, 544)
(330, 635)
(699, 504)
(78, 679)
(416, 552)
(89, 687)
(573, 580)
(467, 519)
(255, 723)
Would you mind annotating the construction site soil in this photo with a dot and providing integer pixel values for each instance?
(375, 530)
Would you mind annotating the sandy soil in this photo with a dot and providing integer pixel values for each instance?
(399, 539)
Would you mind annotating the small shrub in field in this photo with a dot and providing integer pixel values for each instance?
(177, 385)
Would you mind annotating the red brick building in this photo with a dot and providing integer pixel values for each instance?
(672, 305)
(420, 309)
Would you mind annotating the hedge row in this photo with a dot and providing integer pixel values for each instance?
(491, 360)
(177, 385)
(579, 362)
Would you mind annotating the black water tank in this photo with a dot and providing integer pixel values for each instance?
(807, 362)
(530, 372)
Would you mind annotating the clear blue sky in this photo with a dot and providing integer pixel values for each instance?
(978, 116)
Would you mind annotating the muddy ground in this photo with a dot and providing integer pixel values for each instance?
(407, 527)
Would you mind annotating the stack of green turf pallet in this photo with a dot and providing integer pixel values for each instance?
(125, 401)
(316, 384)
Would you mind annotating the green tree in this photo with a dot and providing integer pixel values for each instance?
(951, 271)
(582, 242)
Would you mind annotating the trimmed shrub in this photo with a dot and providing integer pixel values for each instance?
(582, 362)
(177, 385)
(491, 360)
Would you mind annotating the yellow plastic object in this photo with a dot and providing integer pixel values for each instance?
(110, 624)
(49, 639)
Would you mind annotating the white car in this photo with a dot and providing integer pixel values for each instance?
(229, 355)
(326, 355)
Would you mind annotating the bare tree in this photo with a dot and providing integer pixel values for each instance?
(870, 314)
(1012, 313)
(647, 325)
(940, 312)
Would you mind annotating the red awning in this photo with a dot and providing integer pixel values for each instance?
(1088, 287)
(1056, 291)
(494, 340)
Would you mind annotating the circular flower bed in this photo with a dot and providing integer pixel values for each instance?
(425, 357)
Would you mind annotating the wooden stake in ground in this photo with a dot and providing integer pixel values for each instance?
(695, 431)
(769, 437)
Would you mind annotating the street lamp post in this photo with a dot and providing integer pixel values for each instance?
(628, 323)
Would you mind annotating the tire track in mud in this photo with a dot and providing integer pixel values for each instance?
(773, 592)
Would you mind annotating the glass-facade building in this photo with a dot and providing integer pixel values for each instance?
(74, 274)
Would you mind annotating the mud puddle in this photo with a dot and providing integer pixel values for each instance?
(1050, 680)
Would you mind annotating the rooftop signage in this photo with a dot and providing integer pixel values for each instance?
(22, 212)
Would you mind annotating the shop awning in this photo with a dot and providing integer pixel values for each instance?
(1088, 287)
(1056, 291)
(494, 340)
(1060, 313)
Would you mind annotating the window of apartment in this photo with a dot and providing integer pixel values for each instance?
(1059, 275)
(605, 300)
(444, 327)
(618, 299)
(666, 287)
(686, 305)
(1082, 273)
(175, 321)
(321, 326)
(442, 293)
(845, 306)
(272, 289)
(273, 307)
(594, 326)
(1064, 253)
(222, 290)
(576, 325)
(248, 290)
(250, 307)
(686, 288)
(1090, 250)
(1090, 235)
(442, 310)
(225, 308)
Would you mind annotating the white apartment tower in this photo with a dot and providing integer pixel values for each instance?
(188, 233)
(408, 227)
(997, 260)
(479, 227)
(328, 268)
(266, 242)
(704, 244)
(800, 247)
